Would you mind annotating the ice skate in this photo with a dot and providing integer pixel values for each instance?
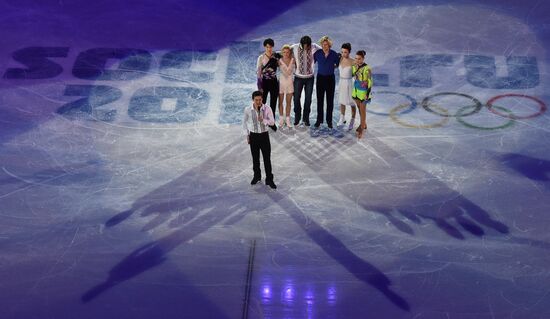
(351, 124)
(341, 121)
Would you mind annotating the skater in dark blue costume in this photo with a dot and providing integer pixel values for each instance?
(327, 60)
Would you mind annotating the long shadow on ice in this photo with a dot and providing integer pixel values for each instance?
(336, 249)
(535, 169)
(190, 204)
(198, 200)
(538, 171)
(375, 177)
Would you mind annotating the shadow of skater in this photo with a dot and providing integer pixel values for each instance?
(377, 178)
(191, 211)
(155, 253)
(142, 259)
(533, 168)
(191, 204)
(358, 267)
(538, 171)
(200, 184)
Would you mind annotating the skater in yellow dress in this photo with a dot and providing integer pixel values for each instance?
(362, 85)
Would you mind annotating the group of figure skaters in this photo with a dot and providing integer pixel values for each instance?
(296, 64)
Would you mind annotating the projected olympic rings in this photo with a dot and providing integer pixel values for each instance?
(542, 106)
(471, 107)
(404, 109)
(395, 111)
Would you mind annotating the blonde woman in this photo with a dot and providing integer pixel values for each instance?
(287, 66)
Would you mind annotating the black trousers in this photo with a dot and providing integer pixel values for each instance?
(325, 84)
(259, 142)
(270, 86)
(299, 84)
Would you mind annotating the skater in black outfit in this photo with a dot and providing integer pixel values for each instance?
(267, 75)
(257, 118)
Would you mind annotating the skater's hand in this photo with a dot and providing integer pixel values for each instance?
(260, 117)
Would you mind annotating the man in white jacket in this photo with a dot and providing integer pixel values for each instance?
(257, 118)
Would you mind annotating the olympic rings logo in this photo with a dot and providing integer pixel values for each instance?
(473, 106)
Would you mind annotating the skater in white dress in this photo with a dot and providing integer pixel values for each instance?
(345, 87)
(287, 66)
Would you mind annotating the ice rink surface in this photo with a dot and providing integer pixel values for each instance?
(124, 172)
